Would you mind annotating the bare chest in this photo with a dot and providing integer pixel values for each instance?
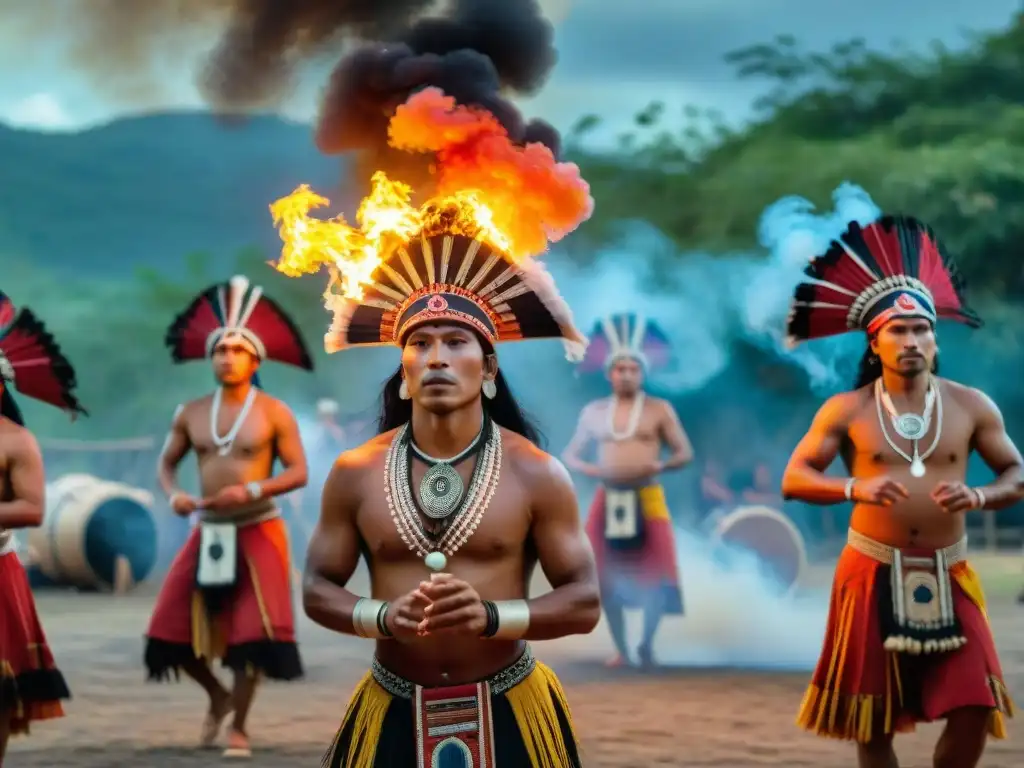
(946, 444)
(231, 431)
(395, 530)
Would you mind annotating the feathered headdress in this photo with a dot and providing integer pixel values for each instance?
(454, 278)
(626, 335)
(894, 267)
(237, 311)
(32, 362)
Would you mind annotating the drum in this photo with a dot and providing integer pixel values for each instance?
(95, 534)
(769, 536)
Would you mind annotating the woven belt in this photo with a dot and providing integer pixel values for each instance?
(883, 553)
(504, 680)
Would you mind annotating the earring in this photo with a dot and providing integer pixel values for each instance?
(403, 391)
(490, 389)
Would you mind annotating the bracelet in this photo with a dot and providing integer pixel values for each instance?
(255, 490)
(368, 617)
(979, 498)
(848, 492)
(507, 620)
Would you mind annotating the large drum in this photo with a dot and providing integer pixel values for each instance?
(770, 537)
(95, 535)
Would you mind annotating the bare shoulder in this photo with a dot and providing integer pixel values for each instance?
(279, 409)
(971, 399)
(536, 469)
(17, 440)
(840, 409)
(356, 461)
(191, 407)
(660, 405)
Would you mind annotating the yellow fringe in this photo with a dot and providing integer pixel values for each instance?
(653, 504)
(826, 712)
(366, 711)
(535, 703)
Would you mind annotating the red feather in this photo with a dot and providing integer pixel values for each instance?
(279, 335)
(40, 369)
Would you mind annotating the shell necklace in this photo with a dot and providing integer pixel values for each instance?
(435, 549)
(225, 443)
(910, 426)
(631, 423)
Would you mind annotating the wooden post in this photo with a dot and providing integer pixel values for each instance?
(124, 582)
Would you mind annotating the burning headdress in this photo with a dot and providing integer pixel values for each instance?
(237, 311)
(32, 362)
(626, 336)
(466, 254)
(893, 267)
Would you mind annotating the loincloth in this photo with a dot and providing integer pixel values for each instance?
(519, 716)
(631, 567)
(31, 686)
(861, 689)
(251, 624)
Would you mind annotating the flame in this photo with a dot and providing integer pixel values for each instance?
(516, 199)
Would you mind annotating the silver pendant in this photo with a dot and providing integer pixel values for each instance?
(224, 450)
(440, 491)
(917, 467)
(910, 426)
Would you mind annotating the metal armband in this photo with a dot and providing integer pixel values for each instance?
(513, 619)
(368, 618)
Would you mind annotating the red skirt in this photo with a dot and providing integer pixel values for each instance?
(861, 691)
(254, 628)
(631, 576)
(31, 686)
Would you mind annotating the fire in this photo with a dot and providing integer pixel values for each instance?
(517, 199)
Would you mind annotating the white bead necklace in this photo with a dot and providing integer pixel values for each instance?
(225, 443)
(631, 424)
(910, 426)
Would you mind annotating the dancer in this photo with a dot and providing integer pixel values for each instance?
(454, 483)
(31, 686)
(629, 525)
(228, 592)
(907, 640)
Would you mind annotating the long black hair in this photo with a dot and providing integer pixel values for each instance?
(870, 367)
(502, 408)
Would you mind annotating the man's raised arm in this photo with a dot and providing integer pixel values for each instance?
(997, 450)
(27, 483)
(805, 479)
(334, 549)
(573, 607)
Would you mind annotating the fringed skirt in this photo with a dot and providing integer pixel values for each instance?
(391, 723)
(31, 686)
(252, 628)
(860, 691)
(632, 574)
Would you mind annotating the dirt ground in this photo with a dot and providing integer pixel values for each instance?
(681, 717)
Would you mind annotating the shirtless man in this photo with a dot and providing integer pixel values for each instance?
(907, 640)
(31, 686)
(629, 525)
(454, 483)
(228, 592)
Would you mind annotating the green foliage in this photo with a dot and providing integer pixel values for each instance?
(938, 135)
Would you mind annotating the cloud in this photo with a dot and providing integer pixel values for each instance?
(41, 111)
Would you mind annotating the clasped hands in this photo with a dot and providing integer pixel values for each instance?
(441, 606)
(952, 497)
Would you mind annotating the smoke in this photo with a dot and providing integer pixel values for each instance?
(245, 55)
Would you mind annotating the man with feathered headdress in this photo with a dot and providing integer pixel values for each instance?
(31, 686)
(228, 592)
(907, 638)
(629, 525)
(455, 481)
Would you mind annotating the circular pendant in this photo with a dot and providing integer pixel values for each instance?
(440, 491)
(436, 561)
(917, 467)
(910, 426)
(224, 450)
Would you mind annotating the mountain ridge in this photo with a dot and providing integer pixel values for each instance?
(71, 201)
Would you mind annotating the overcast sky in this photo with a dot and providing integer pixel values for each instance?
(615, 56)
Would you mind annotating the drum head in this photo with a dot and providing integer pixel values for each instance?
(769, 536)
